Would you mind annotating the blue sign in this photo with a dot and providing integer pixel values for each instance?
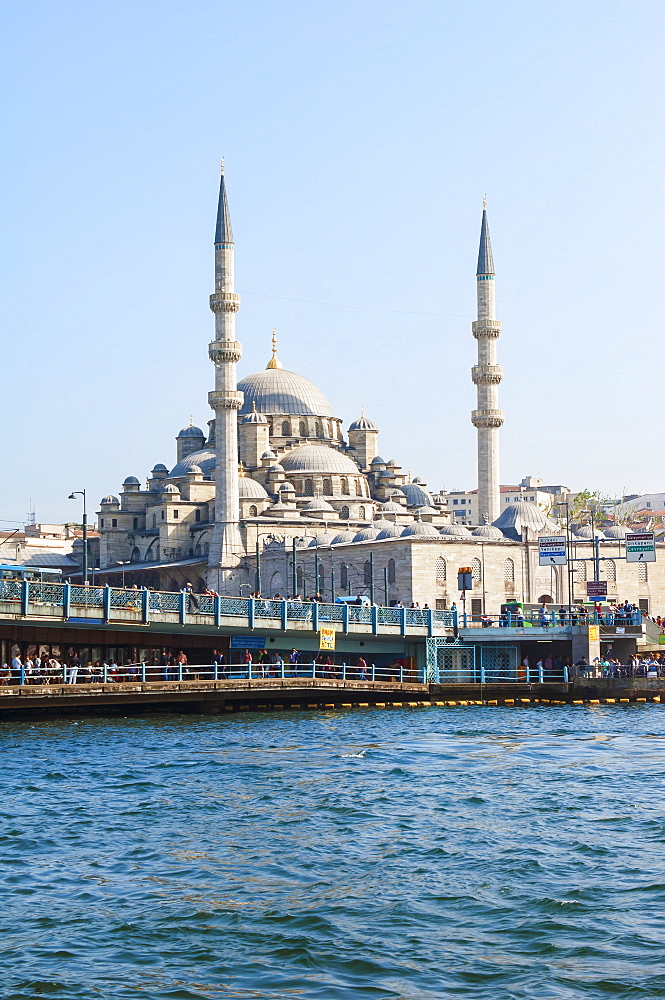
(248, 642)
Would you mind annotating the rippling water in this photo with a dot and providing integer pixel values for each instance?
(409, 853)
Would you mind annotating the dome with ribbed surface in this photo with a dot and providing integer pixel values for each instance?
(319, 458)
(390, 507)
(362, 424)
(377, 461)
(250, 489)
(275, 390)
(254, 417)
(344, 536)
(205, 459)
(392, 530)
(318, 506)
(324, 538)
(367, 534)
(416, 495)
(421, 529)
(454, 531)
(191, 432)
(488, 531)
(525, 514)
(131, 481)
(109, 499)
(616, 531)
(171, 490)
(586, 532)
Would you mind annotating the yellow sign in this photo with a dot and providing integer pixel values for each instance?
(594, 633)
(327, 638)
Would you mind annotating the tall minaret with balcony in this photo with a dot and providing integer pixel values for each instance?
(487, 376)
(226, 547)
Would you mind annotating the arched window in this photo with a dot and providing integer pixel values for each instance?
(361, 513)
(197, 515)
(197, 550)
(391, 571)
(345, 487)
(191, 553)
(611, 570)
(302, 429)
(344, 513)
(327, 487)
(344, 576)
(509, 571)
(309, 488)
(154, 520)
(136, 555)
(319, 429)
(253, 511)
(476, 570)
(580, 570)
(545, 599)
(367, 573)
(330, 428)
(359, 489)
(440, 570)
(642, 575)
(286, 428)
(135, 523)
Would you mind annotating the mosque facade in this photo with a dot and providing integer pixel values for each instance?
(274, 496)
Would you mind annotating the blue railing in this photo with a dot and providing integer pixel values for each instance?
(552, 619)
(114, 604)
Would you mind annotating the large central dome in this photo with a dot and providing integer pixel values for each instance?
(278, 391)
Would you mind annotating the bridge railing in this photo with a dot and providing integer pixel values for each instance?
(117, 603)
(551, 619)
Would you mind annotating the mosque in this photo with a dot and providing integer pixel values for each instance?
(275, 497)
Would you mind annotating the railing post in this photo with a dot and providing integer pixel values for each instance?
(180, 667)
(527, 668)
(281, 661)
(284, 610)
(401, 673)
(345, 617)
(25, 596)
(509, 620)
(214, 671)
(145, 605)
(106, 613)
(67, 600)
(251, 610)
(344, 671)
(430, 623)
(375, 619)
(315, 616)
(565, 673)
(217, 611)
(541, 677)
(402, 620)
(482, 671)
(143, 672)
(182, 607)
(373, 671)
(105, 672)
(22, 675)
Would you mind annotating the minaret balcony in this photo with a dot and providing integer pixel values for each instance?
(487, 418)
(487, 374)
(231, 400)
(490, 328)
(225, 351)
(224, 302)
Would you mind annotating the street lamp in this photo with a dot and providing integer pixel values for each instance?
(123, 564)
(73, 496)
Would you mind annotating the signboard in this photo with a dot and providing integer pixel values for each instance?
(596, 590)
(661, 640)
(552, 550)
(640, 546)
(248, 642)
(594, 633)
(327, 638)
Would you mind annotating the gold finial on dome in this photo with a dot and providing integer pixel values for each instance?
(274, 361)
(241, 470)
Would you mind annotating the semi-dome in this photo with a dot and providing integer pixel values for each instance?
(319, 458)
(191, 432)
(392, 530)
(205, 459)
(362, 424)
(367, 534)
(249, 489)
(109, 499)
(616, 531)
(416, 495)
(421, 529)
(131, 481)
(454, 531)
(195, 470)
(275, 390)
(488, 531)
(344, 536)
(517, 516)
(171, 490)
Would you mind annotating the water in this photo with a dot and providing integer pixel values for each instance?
(411, 853)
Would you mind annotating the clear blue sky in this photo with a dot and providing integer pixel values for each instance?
(359, 140)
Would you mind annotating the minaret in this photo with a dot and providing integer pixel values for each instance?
(225, 351)
(487, 375)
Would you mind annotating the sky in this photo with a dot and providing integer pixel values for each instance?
(359, 137)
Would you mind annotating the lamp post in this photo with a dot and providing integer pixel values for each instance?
(73, 496)
(123, 564)
(371, 577)
(385, 586)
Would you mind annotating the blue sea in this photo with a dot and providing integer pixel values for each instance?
(393, 854)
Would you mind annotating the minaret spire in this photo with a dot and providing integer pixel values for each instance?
(225, 351)
(487, 376)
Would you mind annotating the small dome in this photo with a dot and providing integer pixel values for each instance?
(416, 495)
(319, 458)
(426, 509)
(390, 507)
(367, 534)
(487, 531)
(524, 514)
(586, 532)
(316, 505)
(205, 459)
(268, 454)
(251, 490)
(276, 468)
(362, 424)
(378, 461)
(421, 529)
(325, 538)
(195, 470)
(344, 536)
(109, 499)
(254, 417)
(616, 531)
(392, 464)
(454, 531)
(191, 432)
(131, 481)
(418, 481)
(160, 468)
(391, 531)
(171, 490)
(287, 488)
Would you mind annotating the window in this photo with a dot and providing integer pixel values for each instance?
(253, 511)
(286, 428)
(361, 513)
(345, 487)
(197, 515)
(101, 522)
(359, 489)
(344, 576)
(642, 575)
(476, 607)
(163, 515)
(327, 487)
(455, 502)
(191, 553)
(319, 429)
(579, 568)
(391, 571)
(136, 555)
(644, 604)
(135, 523)
(114, 522)
(462, 501)
(611, 570)
(154, 520)
(440, 570)
(176, 513)
(477, 574)
(302, 429)
(309, 488)
(440, 605)
(345, 513)
(509, 571)
(367, 573)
